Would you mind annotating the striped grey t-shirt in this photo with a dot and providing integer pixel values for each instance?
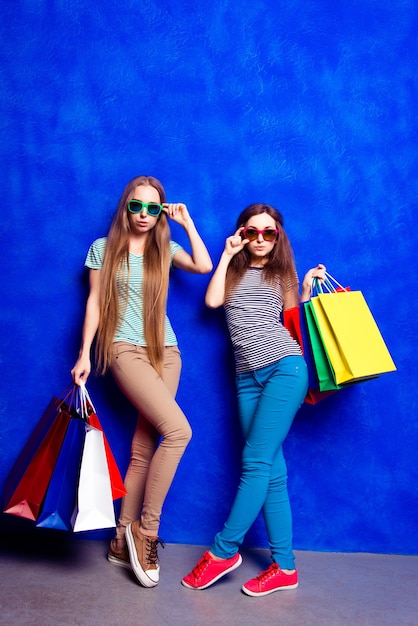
(130, 327)
(253, 317)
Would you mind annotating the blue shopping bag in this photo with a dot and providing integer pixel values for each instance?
(61, 495)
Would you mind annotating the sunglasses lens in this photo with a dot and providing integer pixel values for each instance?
(154, 209)
(269, 235)
(135, 206)
(251, 234)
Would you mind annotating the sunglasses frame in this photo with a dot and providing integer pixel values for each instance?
(276, 232)
(144, 205)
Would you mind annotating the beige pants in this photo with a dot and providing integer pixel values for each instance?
(161, 436)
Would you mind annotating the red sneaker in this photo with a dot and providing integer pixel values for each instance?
(273, 579)
(209, 570)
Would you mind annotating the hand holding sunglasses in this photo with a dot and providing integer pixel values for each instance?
(178, 212)
(235, 243)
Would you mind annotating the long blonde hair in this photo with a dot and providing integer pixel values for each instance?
(155, 285)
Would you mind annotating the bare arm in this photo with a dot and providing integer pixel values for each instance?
(82, 368)
(199, 261)
(291, 298)
(215, 293)
(315, 272)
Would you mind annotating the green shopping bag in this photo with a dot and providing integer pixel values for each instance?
(323, 368)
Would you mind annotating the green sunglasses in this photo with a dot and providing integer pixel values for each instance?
(152, 208)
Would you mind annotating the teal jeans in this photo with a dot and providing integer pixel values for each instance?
(268, 400)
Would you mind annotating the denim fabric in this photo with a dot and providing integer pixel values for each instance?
(268, 401)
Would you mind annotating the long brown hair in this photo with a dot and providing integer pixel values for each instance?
(155, 285)
(280, 264)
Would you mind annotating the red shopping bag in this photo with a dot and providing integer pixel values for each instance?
(38, 463)
(30, 447)
(116, 481)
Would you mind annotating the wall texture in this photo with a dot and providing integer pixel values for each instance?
(308, 105)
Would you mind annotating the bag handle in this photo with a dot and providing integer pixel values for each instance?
(86, 401)
(329, 285)
(82, 402)
(67, 398)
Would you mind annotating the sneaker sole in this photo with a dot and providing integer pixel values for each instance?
(142, 577)
(119, 562)
(230, 569)
(255, 594)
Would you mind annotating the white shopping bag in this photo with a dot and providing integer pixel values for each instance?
(94, 508)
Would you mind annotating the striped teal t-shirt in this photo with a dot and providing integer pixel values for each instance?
(131, 326)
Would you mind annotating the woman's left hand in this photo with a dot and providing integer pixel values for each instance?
(315, 272)
(177, 211)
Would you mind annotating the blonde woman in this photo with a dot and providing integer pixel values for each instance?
(126, 309)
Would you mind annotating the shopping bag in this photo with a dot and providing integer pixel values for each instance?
(30, 485)
(315, 393)
(291, 321)
(352, 340)
(30, 447)
(94, 508)
(323, 368)
(316, 349)
(60, 499)
(294, 320)
(116, 481)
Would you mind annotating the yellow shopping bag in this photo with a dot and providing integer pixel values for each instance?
(351, 337)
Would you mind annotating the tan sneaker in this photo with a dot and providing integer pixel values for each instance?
(119, 556)
(143, 554)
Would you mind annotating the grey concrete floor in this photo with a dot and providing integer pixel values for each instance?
(70, 582)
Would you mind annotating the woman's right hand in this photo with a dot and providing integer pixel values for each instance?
(215, 293)
(81, 370)
(235, 243)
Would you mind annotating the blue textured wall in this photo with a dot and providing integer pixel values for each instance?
(310, 106)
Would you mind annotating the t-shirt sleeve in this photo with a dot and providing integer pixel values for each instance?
(174, 247)
(95, 255)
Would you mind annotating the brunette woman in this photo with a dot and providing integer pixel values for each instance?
(126, 308)
(255, 281)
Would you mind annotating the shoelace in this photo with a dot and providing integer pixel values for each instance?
(268, 573)
(200, 567)
(152, 550)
